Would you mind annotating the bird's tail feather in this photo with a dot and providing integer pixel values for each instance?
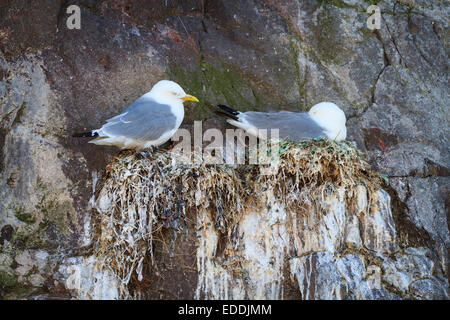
(227, 112)
(87, 134)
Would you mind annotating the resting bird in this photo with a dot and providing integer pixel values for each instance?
(325, 119)
(148, 122)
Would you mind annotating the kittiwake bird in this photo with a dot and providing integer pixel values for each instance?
(324, 119)
(148, 122)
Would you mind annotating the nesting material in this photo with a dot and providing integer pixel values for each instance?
(306, 169)
(140, 196)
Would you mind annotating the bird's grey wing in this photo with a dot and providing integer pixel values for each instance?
(139, 104)
(293, 125)
(144, 120)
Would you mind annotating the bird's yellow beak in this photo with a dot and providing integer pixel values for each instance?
(188, 97)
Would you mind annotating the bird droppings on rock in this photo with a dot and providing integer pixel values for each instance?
(321, 196)
(141, 196)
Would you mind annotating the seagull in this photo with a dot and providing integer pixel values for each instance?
(324, 120)
(148, 122)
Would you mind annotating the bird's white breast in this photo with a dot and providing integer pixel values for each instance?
(178, 110)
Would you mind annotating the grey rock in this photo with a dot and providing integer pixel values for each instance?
(429, 289)
(318, 277)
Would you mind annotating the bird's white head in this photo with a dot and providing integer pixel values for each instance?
(330, 117)
(166, 90)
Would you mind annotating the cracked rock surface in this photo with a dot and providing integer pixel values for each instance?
(262, 55)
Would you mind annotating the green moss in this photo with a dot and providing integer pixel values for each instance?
(329, 46)
(7, 279)
(10, 288)
(21, 292)
(301, 80)
(21, 214)
(27, 217)
(52, 210)
(56, 212)
(31, 237)
(209, 82)
(49, 212)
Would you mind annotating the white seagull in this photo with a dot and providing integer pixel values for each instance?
(324, 119)
(148, 122)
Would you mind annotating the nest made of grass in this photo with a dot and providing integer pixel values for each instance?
(306, 168)
(147, 195)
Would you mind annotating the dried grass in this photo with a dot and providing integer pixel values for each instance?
(146, 195)
(308, 168)
(149, 194)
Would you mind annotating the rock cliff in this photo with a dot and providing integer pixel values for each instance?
(392, 84)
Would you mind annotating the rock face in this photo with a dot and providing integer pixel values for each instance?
(279, 235)
(392, 84)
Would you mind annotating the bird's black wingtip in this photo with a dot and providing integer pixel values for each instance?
(88, 134)
(227, 109)
(227, 112)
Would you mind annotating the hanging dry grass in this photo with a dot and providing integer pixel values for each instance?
(140, 196)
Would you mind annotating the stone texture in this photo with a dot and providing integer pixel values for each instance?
(277, 244)
(260, 55)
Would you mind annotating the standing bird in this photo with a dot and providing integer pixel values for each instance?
(325, 119)
(148, 122)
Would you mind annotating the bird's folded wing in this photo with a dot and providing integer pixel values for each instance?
(293, 125)
(144, 120)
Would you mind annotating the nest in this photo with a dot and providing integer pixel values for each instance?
(306, 169)
(144, 195)
(141, 196)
